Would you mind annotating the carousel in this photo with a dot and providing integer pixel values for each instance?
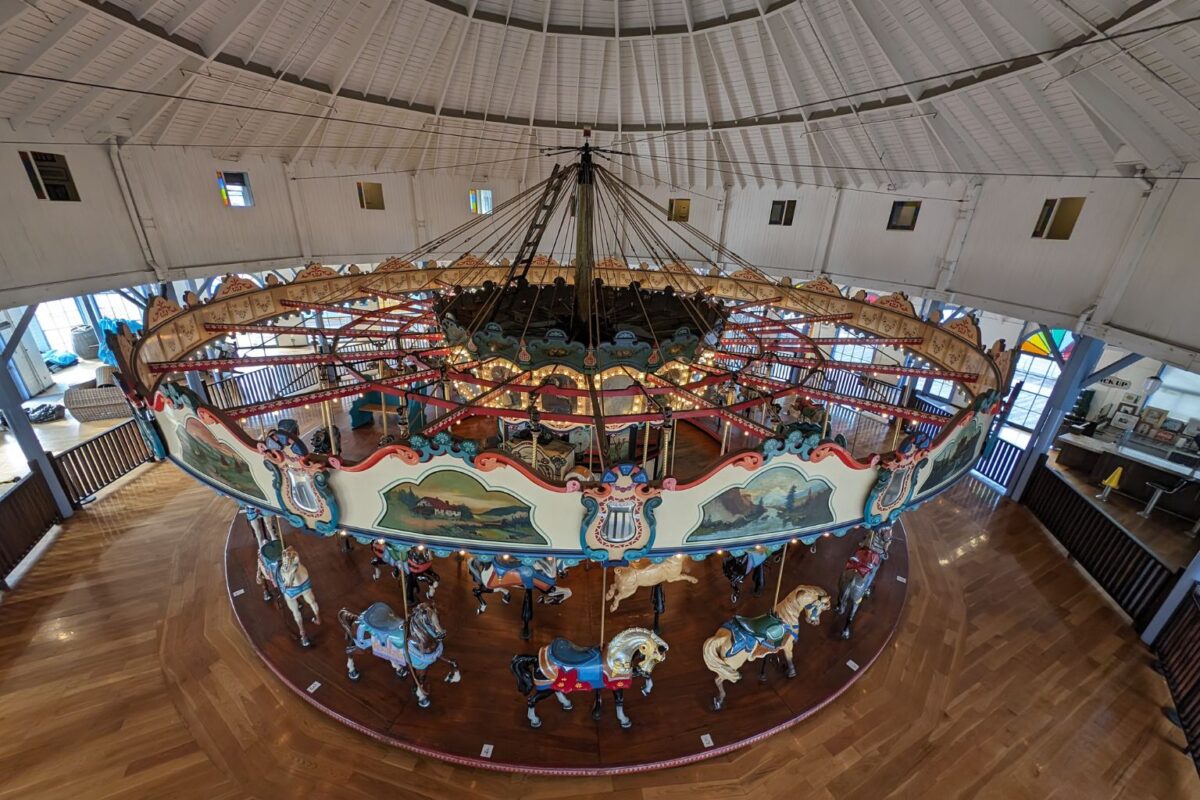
(572, 448)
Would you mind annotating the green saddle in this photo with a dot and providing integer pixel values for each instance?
(767, 628)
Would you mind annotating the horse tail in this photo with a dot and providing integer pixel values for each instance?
(522, 667)
(715, 661)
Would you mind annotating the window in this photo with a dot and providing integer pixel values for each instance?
(235, 189)
(56, 318)
(1057, 218)
(782, 212)
(904, 215)
(113, 306)
(942, 390)
(854, 353)
(481, 201)
(49, 175)
(678, 209)
(370, 195)
(1039, 375)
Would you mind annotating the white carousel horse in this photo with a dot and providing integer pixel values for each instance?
(280, 567)
(562, 667)
(743, 639)
(627, 580)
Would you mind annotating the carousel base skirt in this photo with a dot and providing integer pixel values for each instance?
(481, 721)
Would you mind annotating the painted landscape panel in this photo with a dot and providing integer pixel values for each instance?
(455, 505)
(778, 500)
(956, 456)
(201, 451)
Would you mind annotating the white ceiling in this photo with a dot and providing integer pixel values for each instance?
(693, 88)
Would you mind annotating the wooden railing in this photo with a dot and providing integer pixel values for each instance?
(1132, 575)
(262, 385)
(999, 465)
(1178, 650)
(89, 466)
(27, 511)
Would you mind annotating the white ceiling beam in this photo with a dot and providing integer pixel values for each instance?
(651, 149)
(1023, 130)
(373, 13)
(112, 78)
(871, 155)
(938, 128)
(326, 40)
(419, 30)
(768, 145)
(81, 62)
(796, 83)
(186, 13)
(1091, 91)
(11, 11)
(218, 38)
(59, 32)
(169, 78)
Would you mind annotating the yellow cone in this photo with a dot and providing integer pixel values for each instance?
(1113, 481)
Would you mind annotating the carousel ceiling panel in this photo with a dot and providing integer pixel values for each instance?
(779, 74)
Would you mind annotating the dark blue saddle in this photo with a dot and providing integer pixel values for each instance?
(380, 617)
(570, 654)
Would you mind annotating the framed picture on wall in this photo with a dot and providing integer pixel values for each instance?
(1172, 425)
(1126, 408)
(1143, 429)
(1192, 429)
(1123, 422)
(1154, 416)
(1132, 398)
(1165, 436)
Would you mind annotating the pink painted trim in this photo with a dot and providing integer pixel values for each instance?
(529, 769)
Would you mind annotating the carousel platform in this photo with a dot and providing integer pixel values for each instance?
(481, 721)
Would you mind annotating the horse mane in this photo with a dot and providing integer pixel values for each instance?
(791, 602)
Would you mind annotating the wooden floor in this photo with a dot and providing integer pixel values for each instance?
(123, 674)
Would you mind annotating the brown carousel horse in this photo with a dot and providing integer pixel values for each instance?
(503, 575)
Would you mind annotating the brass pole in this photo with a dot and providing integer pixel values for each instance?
(403, 586)
(603, 591)
(779, 581)
(896, 435)
(645, 445)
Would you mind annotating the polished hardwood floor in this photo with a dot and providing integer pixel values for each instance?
(123, 674)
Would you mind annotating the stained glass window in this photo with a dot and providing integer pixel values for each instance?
(481, 201)
(1039, 345)
(235, 189)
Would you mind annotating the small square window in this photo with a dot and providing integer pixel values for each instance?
(679, 209)
(49, 175)
(1057, 218)
(370, 195)
(782, 212)
(235, 189)
(904, 215)
(481, 201)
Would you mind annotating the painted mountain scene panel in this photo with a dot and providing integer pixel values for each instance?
(778, 500)
(957, 456)
(455, 505)
(207, 455)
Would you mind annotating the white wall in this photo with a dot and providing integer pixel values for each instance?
(50, 249)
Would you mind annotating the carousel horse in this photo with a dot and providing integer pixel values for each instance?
(410, 645)
(503, 575)
(562, 667)
(859, 575)
(736, 568)
(417, 568)
(627, 580)
(286, 436)
(279, 567)
(743, 639)
(321, 442)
